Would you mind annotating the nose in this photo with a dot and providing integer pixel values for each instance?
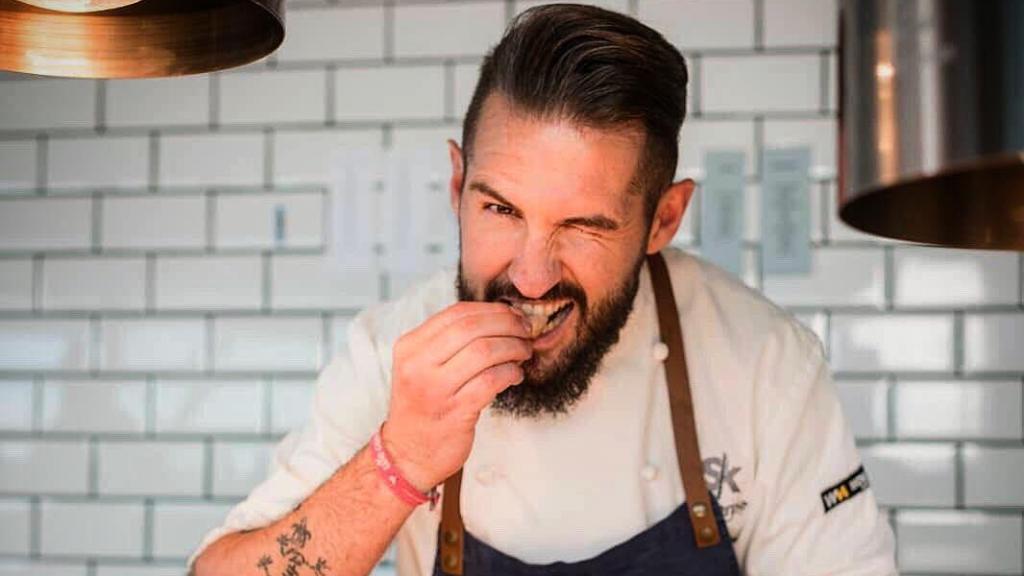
(536, 269)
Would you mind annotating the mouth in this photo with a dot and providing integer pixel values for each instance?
(543, 316)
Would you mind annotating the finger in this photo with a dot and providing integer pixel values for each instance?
(480, 391)
(483, 353)
(438, 323)
(467, 329)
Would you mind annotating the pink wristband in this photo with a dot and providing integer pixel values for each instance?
(393, 477)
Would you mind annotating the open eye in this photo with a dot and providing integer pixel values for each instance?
(499, 209)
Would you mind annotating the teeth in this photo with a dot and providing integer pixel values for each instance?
(538, 314)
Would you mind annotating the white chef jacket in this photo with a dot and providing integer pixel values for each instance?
(772, 435)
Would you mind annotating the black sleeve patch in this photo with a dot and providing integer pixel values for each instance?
(854, 484)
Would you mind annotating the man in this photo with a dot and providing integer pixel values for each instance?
(545, 383)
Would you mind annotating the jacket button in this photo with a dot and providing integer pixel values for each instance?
(450, 537)
(450, 561)
(660, 351)
(485, 475)
(699, 510)
(705, 533)
(649, 472)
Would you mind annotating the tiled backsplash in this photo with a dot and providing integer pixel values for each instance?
(160, 331)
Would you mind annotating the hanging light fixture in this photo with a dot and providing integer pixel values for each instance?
(932, 121)
(136, 38)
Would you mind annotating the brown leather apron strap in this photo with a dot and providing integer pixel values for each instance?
(691, 468)
(452, 530)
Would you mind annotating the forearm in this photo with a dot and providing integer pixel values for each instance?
(342, 529)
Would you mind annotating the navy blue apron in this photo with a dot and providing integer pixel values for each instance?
(688, 542)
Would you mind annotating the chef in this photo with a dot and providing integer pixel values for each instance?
(576, 398)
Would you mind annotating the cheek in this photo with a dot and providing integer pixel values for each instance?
(486, 251)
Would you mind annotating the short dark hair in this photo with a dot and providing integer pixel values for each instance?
(596, 68)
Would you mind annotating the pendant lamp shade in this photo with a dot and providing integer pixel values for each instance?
(136, 38)
(932, 121)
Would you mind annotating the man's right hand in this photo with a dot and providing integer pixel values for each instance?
(444, 373)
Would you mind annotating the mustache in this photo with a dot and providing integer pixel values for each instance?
(502, 288)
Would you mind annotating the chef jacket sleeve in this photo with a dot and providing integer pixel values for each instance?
(349, 403)
(816, 513)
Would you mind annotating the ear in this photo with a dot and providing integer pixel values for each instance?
(669, 214)
(455, 184)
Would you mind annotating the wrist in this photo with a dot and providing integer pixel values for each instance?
(403, 460)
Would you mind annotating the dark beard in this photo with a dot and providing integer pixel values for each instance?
(555, 389)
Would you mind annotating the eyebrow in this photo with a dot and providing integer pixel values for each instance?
(596, 221)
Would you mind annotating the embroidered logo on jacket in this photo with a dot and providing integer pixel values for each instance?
(718, 473)
(848, 488)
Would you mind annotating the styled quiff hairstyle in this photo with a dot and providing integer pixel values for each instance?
(598, 69)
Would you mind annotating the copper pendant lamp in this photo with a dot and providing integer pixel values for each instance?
(932, 121)
(136, 38)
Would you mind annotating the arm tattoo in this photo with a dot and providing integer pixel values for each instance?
(293, 561)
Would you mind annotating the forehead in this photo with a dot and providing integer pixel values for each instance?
(553, 156)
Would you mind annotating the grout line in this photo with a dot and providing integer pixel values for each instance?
(894, 526)
(825, 84)
(35, 523)
(268, 158)
(1020, 279)
(214, 120)
(208, 468)
(147, 530)
(150, 289)
(38, 407)
(42, 162)
(101, 106)
(38, 272)
(266, 280)
(97, 223)
(891, 410)
(253, 128)
(824, 204)
(210, 329)
(95, 343)
(633, 8)
(154, 161)
(958, 343)
(327, 221)
(759, 148)
(889, 279)
(330, 95)
(93, 484)
(959, 472)
(90, 567)
(211, 220)
(696, 85)
(149, 420)
(510, 11)
(758, 25)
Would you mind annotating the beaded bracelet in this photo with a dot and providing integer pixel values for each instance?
(394, 478)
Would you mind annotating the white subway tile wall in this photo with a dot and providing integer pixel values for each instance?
(16, 284)
(148, 102)
(272, 97)
(103, 162)
(85, 283)
(153, 222)
(18, 167)
(169, 288)
(208, 282)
